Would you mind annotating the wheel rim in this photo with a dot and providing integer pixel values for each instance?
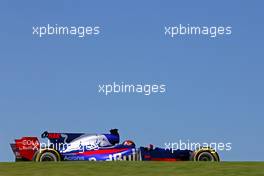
(206, 156)
(48, 156)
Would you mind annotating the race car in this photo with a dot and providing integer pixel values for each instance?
(99, 147)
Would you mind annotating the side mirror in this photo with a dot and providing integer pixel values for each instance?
(44, 134)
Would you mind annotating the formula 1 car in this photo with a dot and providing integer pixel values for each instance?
(99, 147)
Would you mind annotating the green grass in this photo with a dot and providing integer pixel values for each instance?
(127, 168)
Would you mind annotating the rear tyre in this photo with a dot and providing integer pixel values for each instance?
(48, 155)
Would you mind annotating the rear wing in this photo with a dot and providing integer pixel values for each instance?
(25, 148)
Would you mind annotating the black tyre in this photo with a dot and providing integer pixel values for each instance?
(205, 154)
(48, 155)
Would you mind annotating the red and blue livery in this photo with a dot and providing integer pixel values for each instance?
(99, 147)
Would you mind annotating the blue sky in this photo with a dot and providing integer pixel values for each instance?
(214, 86)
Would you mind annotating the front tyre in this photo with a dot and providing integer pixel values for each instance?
(205, 154)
